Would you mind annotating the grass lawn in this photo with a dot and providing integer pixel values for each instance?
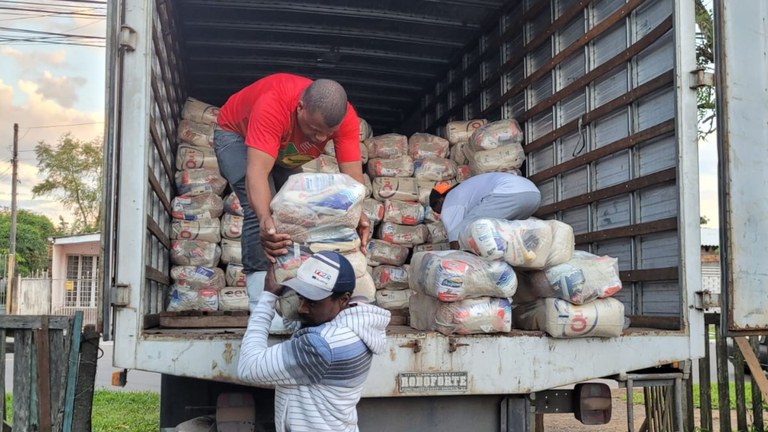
(120, 411)
(637, 397)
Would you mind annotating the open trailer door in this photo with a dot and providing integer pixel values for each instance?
(741, 51)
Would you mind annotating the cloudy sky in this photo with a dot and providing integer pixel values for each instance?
(51, 89)
(47, 88)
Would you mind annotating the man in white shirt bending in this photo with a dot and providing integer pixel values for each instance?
(490, 195)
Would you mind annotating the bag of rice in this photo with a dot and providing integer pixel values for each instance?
(195, 253)
(434, 169)
(196, 134)
(321, 164)
(458, 153)
(471, 316)
(403, 234)
(382, 252)
(508, 158)
(437, 232)
(184, 298)
(200, 229)
(318, 200)
(193, 207)
(235, 276)
(365, 291)
(374, 210)
(562, 319)
(462, 173)
(401, 189)
(458, 275)
(199, 111)
(584, 278)
(199, 181)
(393, 300)
(403, 212)
(233, 299)
(390, 277)
(231, 226)
(397, 167)
(424, 145)
(432, 247)
(365, 130)
(386, 146)
(232, 205)
(189, 157)
(459, 131)
(199, 277)
(497, 134)
(231, 252)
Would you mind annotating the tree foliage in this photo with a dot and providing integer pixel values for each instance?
(705, 59)
(72, 171)
(32, 233)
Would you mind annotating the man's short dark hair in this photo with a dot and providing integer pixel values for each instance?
(328, 98)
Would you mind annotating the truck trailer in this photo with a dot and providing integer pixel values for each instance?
(605, 91)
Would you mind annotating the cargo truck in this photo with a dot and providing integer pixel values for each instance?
(606, 93)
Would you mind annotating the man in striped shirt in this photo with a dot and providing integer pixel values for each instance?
(319, 372)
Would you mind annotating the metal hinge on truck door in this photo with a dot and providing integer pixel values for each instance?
(121, 295)
(702, 78)
(126, 39)
(706, 299)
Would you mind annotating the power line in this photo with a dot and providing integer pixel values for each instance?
(52, 33)
(64, 125)
(68, 13)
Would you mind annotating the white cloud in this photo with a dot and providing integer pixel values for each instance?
(62, 89)
(32, 61)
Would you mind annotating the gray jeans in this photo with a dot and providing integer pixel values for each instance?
(232, 155)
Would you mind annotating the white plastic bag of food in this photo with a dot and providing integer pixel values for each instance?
(432, 247)
(184, 298)
(387, 146)
(193, 207)
(195, 253)
(390, 277)
(196, 134)
(231, 226)
(397, 167)
(365, 130)
(191, 157)
(508, 158)
(365, 291)
(471, 316)
(434, 169)
(526, 244)
(393, 299)
(318, 200)
(424, 145)
(321, 164)
(359, 262)
(232, 205)
(287, 265)
(233, 299)
(457, 275)
(403, 212)
(235, 275)
(199, 111)
(231, 252)
(401, 189)
(199, 277)
(199, 181)
(437, 232)
(459, 131)
(581, 280)
(562, 319)
(374, 210)
(201, 229)
(382, 252)
(497, 134)
(458, 154)
(425, 188)
(403, 234)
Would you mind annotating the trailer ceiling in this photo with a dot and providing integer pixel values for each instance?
(386, 53)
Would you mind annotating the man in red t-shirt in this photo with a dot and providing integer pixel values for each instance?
(269, 129)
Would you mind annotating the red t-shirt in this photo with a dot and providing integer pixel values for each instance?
(265, 114)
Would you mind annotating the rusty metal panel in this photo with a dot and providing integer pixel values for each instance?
(742, 92)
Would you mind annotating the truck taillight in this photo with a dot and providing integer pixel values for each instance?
(593, 403)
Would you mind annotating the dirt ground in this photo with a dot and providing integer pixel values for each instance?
(618, 423)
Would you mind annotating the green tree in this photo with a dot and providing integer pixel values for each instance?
(32, 233)
(705, 59)
(72, 171)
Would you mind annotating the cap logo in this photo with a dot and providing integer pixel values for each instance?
(322, 275)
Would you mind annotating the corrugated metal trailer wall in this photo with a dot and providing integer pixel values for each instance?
(592, 83)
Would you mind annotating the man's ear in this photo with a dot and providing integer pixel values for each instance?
(300, 106)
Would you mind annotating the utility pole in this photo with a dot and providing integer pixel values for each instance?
(9, 290)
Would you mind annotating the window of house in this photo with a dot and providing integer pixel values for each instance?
(81, 280)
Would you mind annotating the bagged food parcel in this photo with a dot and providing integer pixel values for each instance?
(424, 145)
(199, 181)
(201, 229)
(470, 316)
(390, 277)
(459, 131)
(403, 234)
(434, 169)
(381, 252)
(313, 207)
(393, 299)
(562, 319)
(452, 276)
(526, 244)
(584, 278)
(193, 207)
(199, 277)
(403, 212)
(387, 146)
(199, 111)
(495, 147)
(191, 157)
(395, 188)
(195, 253)
(494, 135)
(185, 298)
(401, 166)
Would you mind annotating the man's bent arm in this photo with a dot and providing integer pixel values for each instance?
(301, 360)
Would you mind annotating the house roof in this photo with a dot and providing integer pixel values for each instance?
(75, 239)
(710, 236)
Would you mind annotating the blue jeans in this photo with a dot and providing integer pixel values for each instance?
(232, 155)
